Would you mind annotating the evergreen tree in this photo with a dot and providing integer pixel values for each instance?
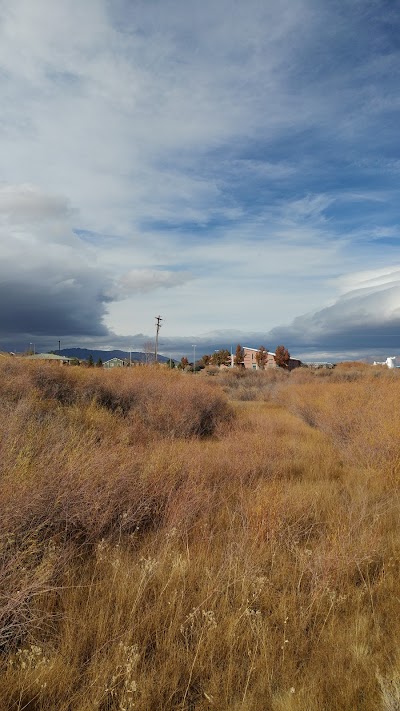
(99, 363)
(90, 361)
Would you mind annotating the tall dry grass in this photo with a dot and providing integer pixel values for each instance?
(249, 385)
(145, 564)
(357, 407)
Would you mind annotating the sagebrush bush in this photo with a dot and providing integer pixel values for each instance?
(164, 401)
(242, 384)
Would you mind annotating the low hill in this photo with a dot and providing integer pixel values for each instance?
(84, 353)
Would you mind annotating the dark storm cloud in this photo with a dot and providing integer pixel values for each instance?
(38, 309)
(50, 286)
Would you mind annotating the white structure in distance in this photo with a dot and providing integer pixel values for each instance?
(389, 362)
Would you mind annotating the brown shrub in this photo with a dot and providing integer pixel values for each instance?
(165, 401)
(247, 385)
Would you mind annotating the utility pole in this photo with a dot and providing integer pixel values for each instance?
(158, 326)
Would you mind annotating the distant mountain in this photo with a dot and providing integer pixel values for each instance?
(84, 353)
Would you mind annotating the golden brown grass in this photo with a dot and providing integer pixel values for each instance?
(161, 549)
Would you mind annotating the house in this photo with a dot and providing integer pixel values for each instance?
(50, 357)
(115, 363)
(250, 360)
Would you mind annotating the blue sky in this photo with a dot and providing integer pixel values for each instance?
(231, 166)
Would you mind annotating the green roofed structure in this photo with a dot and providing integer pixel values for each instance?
(51, 357)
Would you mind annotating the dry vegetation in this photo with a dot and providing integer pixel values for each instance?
(163, 548)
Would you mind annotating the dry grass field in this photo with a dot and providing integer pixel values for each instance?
(178, 542)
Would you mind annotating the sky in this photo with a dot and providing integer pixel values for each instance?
(233, 167)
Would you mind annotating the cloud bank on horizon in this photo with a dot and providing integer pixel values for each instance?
(231, 166)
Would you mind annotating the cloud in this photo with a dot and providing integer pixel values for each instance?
(364, 322)
(145, 280)
(70, 308)
(50, 286)
(23, 204)
(364, 319)
(134, 109)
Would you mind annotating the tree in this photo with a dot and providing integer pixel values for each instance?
(171, 363)
(282, 357)
(99, 363)
(205, 360)
(184, 363)
(261, 357)
(239, 356)
(221, 357)
(149, 356)
(90, 361)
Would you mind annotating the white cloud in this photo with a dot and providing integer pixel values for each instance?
(26, 204)
(103, 112)
(370, 281)
(145, 280)
(364, 319)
